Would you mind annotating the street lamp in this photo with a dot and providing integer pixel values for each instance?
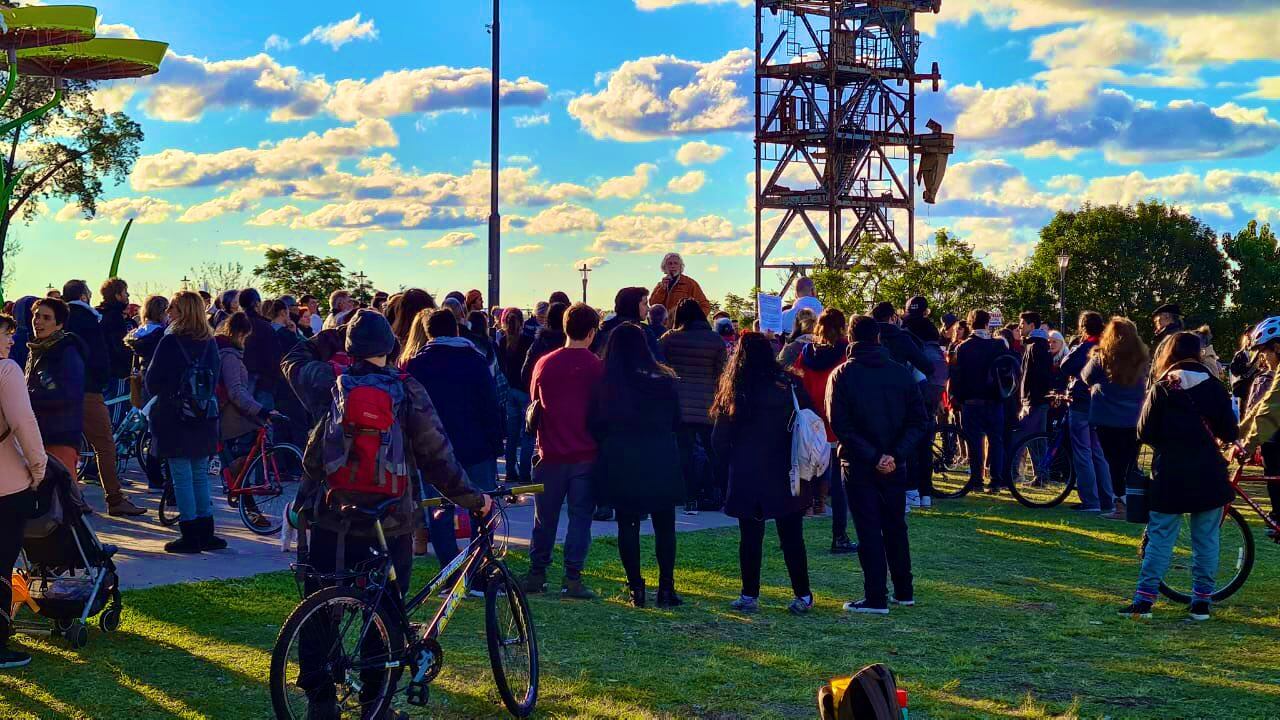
(1063, 261)
(584, 270)
(186, 282)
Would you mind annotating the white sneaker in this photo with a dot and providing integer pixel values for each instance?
(913, 498)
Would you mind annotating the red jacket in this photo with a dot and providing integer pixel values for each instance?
(814, 368)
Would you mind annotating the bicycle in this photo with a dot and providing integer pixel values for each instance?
(1041, 472)
(1236, 548)
(357, 634)
(950, 467)
(256, 483)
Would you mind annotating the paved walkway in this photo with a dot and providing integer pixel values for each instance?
(142, 561)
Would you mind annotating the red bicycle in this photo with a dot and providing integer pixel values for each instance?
(263, 482)
(1236, 551)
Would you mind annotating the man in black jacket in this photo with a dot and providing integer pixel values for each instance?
(878, 416)
(903, 347)
(982, 407)
(115, 326)
(83, 322)
(1037, 374)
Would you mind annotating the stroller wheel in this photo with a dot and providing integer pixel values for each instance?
(78, 635)
(109, 620)
(60, 627)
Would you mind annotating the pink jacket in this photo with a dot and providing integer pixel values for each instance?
(22, 456)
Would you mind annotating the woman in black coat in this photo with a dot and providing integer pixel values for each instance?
(752, 414)
(1186, 413)
(697, 354)
(633, 415)
(184, 420)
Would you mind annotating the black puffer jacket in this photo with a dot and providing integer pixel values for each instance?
(83, 323)
(698, 356)
(115, 326)
(755, 444)
(1185, 415)
(606, 329)
(1037, 373)
(905, 348)
(875, 407)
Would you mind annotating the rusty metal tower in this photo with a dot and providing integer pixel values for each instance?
(835, 127)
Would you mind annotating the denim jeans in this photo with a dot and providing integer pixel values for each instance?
(1093, 476)
(561, 482)
(1162, 533)
(981, 420)
(191, 487)
(444, 541)
(519, 455)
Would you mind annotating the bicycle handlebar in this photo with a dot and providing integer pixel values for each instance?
(502, 492)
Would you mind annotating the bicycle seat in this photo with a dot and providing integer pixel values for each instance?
(378, 511)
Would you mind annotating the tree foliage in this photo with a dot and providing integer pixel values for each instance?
(290, 270)
(1255, 258)
(216, 277)
(1130, 259)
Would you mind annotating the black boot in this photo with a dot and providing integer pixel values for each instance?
(189, 542)
(638, 595)
(209, 541)
(667, 597)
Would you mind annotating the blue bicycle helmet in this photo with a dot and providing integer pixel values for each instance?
(1266, 332)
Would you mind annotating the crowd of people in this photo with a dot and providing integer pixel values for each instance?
(660, 406)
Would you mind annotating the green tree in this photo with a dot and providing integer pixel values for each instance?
(1022, 288)
(741, 309)
(947, 273)
(290, 270)
(1255, 258)
(66, 154)
(1130, 259)
(216, 277)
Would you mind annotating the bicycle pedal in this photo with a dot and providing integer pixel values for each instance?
(418, 693)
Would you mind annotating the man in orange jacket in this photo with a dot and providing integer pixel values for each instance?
(676, 286)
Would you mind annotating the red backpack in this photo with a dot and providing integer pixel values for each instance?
(364, 453)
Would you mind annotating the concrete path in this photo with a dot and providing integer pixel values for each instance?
(142, 561)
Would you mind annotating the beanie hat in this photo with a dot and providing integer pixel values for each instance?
(369, 335)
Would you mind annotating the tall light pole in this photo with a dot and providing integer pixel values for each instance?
(1063, 261)
(585, 270)
(495, 220)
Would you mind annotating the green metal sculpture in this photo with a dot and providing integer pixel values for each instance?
(115, 261)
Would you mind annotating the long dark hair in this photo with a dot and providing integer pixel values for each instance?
(405, 311)
(751, 368)
(512, 326)
(1181, 346)
(627, 363)
(688, 312)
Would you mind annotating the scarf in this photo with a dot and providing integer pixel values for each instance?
(97, 315)
(984, 334)
(40, 347)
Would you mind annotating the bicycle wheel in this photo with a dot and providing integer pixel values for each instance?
(168, 511)
(335, 649)
(268, 486)
(950, 470)
(1235, 559)
(1041, 472)
(513, 647)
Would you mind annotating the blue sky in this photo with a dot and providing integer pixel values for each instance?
(360, 130)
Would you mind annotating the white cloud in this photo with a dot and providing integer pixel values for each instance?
(442, 263)
(145, 257)
(1102, 43)
(690, 182)
(143, 210)
(342, 32)
(524, 249)
(349, 237)
(700, 153)
(424, 90)
(661, 96)
(533, 119)
(592, 262)
(452, 240)
(309, 155)
(657, 208)
(276, 42)
(87, 235)
(652, 233)
(397, 242)
(190, 85)
(286, 215)
(664, 4)
(563, 218)
(627, 186)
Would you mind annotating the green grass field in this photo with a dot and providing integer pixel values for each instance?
(1016, 619)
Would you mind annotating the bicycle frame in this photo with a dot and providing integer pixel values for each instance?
(1237, 479)
(260, 445)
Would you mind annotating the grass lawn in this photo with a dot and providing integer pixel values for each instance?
(1016, 619)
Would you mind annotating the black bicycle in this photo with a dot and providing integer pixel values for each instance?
(1041, 470)
(349, 643)
(950, 461)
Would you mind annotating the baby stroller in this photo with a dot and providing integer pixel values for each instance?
(68, 575)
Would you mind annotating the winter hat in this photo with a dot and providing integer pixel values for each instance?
(369, 335)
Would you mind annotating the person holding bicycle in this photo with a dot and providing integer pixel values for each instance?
(1261, 424)
(1186, 413)
(337, 542)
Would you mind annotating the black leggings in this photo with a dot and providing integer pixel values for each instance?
(1120, 447)
(14, 511)
(1271, 466)
(751, 549)
(664, 540)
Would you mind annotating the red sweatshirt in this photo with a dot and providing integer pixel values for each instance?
(563, 381)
